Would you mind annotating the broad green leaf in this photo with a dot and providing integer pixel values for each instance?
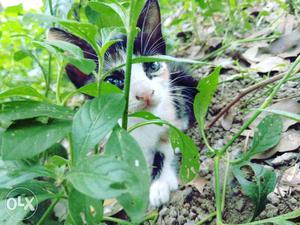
(190, 154)
(29, 138)
(94, 121)
(100, 177)
(21, 54)
(86, 66)
(267, 134)
(12, 217)
(166, 58)
(20, 110)
(207, 88)
(110, 14)
(263, 184)
(84, 209)
(122, 146)
(22, 91)
(65, 46)
(92, 89)
(286, 114)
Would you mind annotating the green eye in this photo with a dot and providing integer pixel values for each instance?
(154, 67)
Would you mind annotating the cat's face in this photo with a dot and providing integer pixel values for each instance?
(149, 81)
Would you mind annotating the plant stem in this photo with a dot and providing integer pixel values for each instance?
(218, 195)
(265, 104)
(48, 79)
(209, 217)
(58, 80)
(225, 182)
(100, 71)
(47, 213)
(116, 220)
(131, 35)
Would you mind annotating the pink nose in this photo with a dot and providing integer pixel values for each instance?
(146, 97)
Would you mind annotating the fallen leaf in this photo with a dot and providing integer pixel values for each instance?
(291, 177)
(227, 120)
(284, 158)
(272, 63)
(285, 43)
(290, 141)
(199, 183)
(288, 105)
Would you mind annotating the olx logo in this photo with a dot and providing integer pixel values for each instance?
(21, 198)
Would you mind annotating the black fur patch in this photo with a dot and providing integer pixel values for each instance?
(157, 165)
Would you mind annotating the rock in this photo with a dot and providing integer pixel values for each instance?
(164, 211)
(273, 198)
(181, 219)
(240, 205)
(184, 212)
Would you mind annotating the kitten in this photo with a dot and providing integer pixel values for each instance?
(165, 90)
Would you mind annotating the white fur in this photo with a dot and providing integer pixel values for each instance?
(149, 136)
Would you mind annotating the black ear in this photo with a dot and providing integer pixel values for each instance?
(150, 39)
(77, 77)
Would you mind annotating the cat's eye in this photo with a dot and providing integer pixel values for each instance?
(117, 79)
(154, 67)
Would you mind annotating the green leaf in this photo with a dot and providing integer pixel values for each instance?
(263, 184)
(92, 89)
(19, 110)
(122, 146)
(164, 58)
(81, 206)
(86, 66)
(21, 54)
(28, 139)
(110, 14)
(267, 134)
(286, 114)
(190, 154)
(100, 177)
(65, 46)
(207, 88)
(22, 91)
(94, 121)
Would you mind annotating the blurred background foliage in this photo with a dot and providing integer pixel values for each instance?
(184, 22)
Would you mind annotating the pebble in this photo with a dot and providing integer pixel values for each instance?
(273, 198)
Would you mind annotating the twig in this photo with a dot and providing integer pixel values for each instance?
(243, 94)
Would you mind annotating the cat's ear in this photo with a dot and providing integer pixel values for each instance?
(150, 39)
(77, 77)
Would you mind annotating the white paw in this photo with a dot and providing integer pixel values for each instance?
(160, 190)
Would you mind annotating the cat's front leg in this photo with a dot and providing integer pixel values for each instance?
(165, 178)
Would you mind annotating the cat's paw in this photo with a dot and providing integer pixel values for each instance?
(160, 190)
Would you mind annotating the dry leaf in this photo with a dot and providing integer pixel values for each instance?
(227, 120)
(285, 43)
(199, 183)
(290, 141)
(272, 63)
(291, 177)
(288, 105)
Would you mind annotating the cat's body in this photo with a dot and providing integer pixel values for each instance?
(165, 90)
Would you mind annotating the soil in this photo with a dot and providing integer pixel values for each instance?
(188, 205)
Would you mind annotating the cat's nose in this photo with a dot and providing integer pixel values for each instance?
(146, 97)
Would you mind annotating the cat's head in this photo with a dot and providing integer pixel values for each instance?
(149, 81)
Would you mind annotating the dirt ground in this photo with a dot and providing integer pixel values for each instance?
(191, 204)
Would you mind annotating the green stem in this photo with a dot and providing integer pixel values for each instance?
(265, 104)
(131, 35)
(225, 182)
(203, 135)
(100, 71)
(116, 220)
(47, 213)
(209, 217)
(218, 195)
(48, 79)
(58, 81)
(71, 149)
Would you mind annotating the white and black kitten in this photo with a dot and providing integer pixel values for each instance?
(166, 91)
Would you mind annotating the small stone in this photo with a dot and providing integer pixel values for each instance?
(164, 211)
(239, 205)
(190, 223)
(293, 201)
(173, 213)
(184, 212)
(192, 215)
(181, 219)
(273, 198)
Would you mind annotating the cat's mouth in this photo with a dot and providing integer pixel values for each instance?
(142, 106)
